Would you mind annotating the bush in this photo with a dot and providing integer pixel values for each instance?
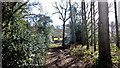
(22, 46)
(85, 55)
(78, 52)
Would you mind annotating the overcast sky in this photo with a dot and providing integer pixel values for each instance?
(49, 9)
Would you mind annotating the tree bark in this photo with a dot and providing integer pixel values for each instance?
(104, 59)
(91, 43)
(83, 33)
(63, 41)
(1, 38)
(116, 24)
(84, 24)
(94, 26)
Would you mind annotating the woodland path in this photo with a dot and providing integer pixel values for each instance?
(61, 58)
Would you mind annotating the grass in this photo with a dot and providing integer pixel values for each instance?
(54, 45)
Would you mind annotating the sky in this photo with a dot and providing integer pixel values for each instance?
(49, 9)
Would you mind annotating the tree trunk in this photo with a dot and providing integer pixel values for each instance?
(104, 59)
(73, 40)
(116, 22)
(91, 43)
(83, 33)
(74, 36)
(63, 41)
(1, 39)
(84, 29)
(94, 25)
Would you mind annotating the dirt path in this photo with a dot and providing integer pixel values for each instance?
(61, 58)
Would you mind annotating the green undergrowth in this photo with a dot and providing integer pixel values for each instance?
(92, 56)
(84, 55)
(115, 52)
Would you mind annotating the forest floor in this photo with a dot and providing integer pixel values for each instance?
(61, 58)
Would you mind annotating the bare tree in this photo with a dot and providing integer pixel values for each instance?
(62, 11)
(103, 36)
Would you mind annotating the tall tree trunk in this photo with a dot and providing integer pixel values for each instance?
(83, 32)
(104, 59)
(63, 41)
(1, 31)
(74, 22)
(73, 40)
(94, 25)
(91, 43)
(84, 29)
(116, 24)
(86, 32)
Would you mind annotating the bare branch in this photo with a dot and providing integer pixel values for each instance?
(68, 18)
